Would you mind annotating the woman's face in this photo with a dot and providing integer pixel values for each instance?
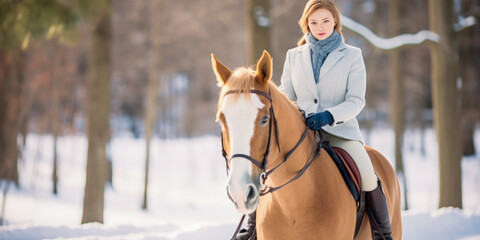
(321, 23)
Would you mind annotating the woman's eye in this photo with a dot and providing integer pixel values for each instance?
(264, 120)
(326, 21)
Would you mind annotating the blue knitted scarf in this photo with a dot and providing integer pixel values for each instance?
(320, 49)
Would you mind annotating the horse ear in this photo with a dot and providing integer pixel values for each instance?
(221, 71)
(264, 68)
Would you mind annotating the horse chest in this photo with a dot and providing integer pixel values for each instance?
(322, 218)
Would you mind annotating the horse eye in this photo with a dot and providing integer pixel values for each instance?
(264, 120)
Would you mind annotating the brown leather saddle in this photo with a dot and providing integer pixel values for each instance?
(351, 175)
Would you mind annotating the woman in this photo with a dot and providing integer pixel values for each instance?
(327, 79)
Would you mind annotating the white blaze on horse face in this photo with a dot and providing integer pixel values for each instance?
(240, 115)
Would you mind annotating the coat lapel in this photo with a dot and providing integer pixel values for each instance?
(331, 60)
(307, 70)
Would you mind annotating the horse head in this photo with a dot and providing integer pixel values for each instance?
(244, 113)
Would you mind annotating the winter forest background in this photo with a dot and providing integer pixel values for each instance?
(87, 88)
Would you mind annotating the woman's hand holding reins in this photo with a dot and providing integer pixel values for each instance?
(318, 120)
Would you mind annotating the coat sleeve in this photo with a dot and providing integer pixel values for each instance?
(355, 92)
(286, 85)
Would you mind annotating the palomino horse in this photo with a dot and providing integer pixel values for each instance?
(260, 128)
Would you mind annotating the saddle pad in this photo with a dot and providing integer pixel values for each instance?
(349, 180)
(351, 166)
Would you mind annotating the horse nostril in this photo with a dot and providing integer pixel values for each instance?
(252, 192)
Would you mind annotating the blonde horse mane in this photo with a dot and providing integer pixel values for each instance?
(242, 79)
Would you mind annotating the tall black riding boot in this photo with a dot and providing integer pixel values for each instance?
(248, 233)
(377, 205)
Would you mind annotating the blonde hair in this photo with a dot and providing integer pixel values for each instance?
(312, 6)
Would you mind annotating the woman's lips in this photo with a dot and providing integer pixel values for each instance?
(321, 34)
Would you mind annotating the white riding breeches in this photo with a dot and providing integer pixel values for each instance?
(361, 158)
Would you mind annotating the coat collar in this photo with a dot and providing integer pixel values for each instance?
(332, 59)
(306, 61)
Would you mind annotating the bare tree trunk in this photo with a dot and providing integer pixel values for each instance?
(54, 115)
(419, 122)
(152, 90)
(4, 202)
(469, 56)
(11, 78)
(446, 103)
(109, 162)
(468, 128)
(98, 109)
(259, 28)
(397, 94)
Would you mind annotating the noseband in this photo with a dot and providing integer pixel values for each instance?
(263, 165)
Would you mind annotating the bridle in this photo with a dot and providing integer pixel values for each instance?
(263, 165)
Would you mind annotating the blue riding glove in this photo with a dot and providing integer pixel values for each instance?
(318, 120)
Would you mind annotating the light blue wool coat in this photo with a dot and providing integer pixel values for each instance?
(340, 89)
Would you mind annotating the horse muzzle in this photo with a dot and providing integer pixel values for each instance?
(244, 193)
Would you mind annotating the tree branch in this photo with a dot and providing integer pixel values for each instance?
(389, 43)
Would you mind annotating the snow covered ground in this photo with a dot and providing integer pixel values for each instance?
(187, 198)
